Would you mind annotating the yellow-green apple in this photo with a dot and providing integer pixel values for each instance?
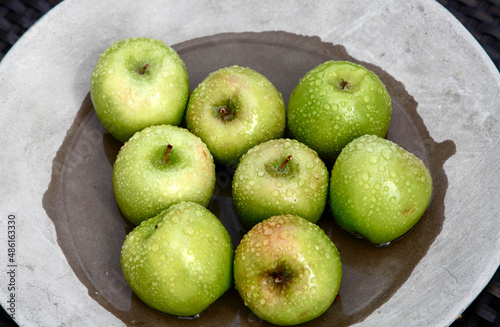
(234, 109)
(378, 190)
(136, 83)
(180, 261)
(280, 176)
(287, 270)
(158, 167)
(336, 102)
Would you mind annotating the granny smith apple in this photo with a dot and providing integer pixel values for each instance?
(136, 83)
(160, 166)
(180, 261)
(234, 109)
(378, 190)
(280, 176)
(287, 270)
(336, 102)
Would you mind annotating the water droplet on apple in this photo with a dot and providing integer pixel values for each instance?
(313, 185)
(284, 234)
(375, 159)
(267, 232)
(275, 193)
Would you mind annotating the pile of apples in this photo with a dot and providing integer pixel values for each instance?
(180, 258)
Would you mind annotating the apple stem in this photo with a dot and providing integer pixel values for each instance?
(226, 113)
(284, 163)
(344, 84)
(165, 158)
(223, 111)
(143, 70)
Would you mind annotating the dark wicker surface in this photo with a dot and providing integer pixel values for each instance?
(16, 16)
(480, 17)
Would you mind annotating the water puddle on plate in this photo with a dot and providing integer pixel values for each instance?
(91, 230)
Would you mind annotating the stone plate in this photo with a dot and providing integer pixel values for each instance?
(62, 261)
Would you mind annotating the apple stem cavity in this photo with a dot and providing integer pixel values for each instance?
(165, 157)
(280, 277)
(287, 160)
(223, 111)
(143, 69)
(345, 84)
(226, 113)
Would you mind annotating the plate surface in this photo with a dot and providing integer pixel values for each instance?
(57, 166)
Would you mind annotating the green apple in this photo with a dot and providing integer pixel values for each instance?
(378, 190)
(234, 109)
(160, 166)
(136, 83)
(280, 176)
(287, 270)
(335, 103)
(180, 261)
